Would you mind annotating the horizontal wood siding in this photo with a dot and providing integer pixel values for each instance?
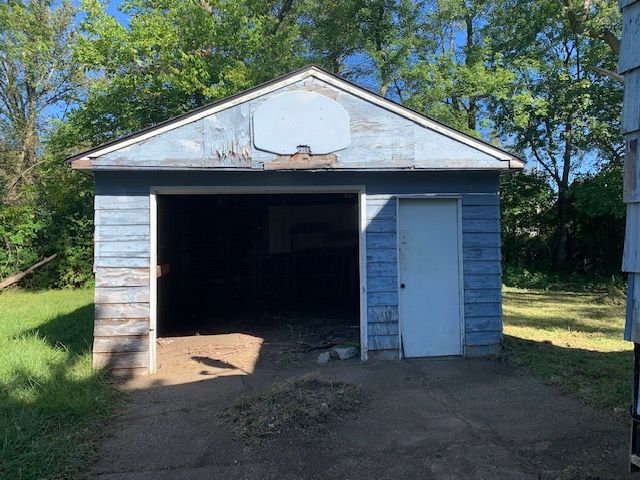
(632, 167)
(631, 257)
(124, 360)
(629, 51)
(482, 274)
(121, 266)
(631, 106)
(382, 273)
(122, 251)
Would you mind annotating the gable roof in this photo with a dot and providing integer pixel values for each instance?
(79, 159)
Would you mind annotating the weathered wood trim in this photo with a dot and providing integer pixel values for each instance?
(121, 343)
(363, 271)
(81, 164)
(631, 105)
(122, 277)
(631, 166)
(121, 310)
(122, 294)
(631, 257)
(629, 51)
(113, 327)
(301, 161)
(153, 283)
(126, 360)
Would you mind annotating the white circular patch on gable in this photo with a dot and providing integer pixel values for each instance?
(293, 119)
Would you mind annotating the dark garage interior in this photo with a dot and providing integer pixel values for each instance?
(258, 262)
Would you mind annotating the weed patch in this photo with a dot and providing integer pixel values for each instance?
(305, 405)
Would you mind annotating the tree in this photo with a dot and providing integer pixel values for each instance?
(176, 55)
(526, 201)
(39, 81)
(450, 77)
(38, 77)
(561, 110)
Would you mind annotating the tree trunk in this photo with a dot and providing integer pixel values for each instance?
(470, 59)
(7, 282)
(562, 230)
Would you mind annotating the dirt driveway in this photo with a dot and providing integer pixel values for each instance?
(431, 418)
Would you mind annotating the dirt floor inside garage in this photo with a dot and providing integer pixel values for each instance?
(432, 418)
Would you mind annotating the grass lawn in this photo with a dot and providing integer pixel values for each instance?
(51, 401)
(573, 341)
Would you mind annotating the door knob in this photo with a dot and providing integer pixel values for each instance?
(402, 285)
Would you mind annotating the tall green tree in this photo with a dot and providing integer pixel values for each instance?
(450, 77)
(562, 110)
(175, 55)
(39, 79)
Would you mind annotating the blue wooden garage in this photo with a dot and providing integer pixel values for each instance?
(304, 192)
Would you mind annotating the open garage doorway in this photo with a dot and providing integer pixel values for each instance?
(249, 278)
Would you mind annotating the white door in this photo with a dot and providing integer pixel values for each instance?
(428, 244)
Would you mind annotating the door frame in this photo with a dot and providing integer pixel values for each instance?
(438, 196)
(154, 191)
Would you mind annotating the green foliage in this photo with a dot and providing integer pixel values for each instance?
(51, 400)
(595, 227)
(598, 221)
(522, 277)
(572, 340)
(527, 219)
(174, 56)
(20, 228)
(41, 208)
(37, 74)
(55, 215)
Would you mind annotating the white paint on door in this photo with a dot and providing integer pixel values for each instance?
(429, 255)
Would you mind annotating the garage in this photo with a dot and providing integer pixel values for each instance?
(306, 204)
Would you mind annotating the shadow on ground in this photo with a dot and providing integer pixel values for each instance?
(424, 418)
(49, 396)
(601, 379)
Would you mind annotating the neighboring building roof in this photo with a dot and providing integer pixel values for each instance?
(82, 161)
